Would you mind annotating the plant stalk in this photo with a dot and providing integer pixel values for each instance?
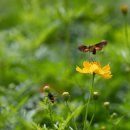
(87, 104)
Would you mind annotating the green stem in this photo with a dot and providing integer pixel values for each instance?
(67, 40)
(50, 113)
(67, 105)
(107, 113)
(126, 37)
(87, 104)
(127, 40)
(126, 34)
(126, 31)
(92, 115)
(114, 127)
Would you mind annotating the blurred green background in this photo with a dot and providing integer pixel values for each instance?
(38, 45)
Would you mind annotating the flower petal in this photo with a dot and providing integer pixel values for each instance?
(95, 67)
(106, 76)
(106, 68)
(84, 70)
(86, 64)
(79, 69)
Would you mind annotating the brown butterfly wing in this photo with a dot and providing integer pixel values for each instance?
(83, 48)
(93, 48)
(100, 45)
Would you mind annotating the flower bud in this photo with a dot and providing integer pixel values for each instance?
(114, 115)
(124, 9)
(103, 128)
(106, 104)
(66, 95)
(95, 95)
(46, 88)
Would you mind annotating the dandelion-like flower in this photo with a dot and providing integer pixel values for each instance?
(66, 95)
(95, 68)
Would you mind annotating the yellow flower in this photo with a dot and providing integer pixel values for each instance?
(95, 67)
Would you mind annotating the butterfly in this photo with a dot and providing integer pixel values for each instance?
(93, 48)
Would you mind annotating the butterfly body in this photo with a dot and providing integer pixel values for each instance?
(93, 48)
